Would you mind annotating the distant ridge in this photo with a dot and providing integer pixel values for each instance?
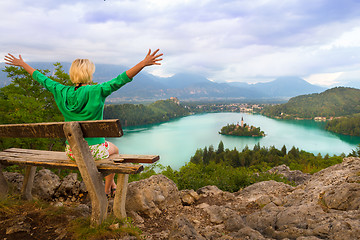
(188, 86)
(335, 102)
(283, 87)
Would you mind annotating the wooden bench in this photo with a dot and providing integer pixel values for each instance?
(92, 172)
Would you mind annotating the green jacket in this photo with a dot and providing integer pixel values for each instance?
(86, 103)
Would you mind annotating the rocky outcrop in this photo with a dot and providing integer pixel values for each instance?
(295, 176)
(326, 205)
(49, 187)
(46, 182)
(152, 196)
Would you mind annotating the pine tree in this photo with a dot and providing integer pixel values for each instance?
(220, 148)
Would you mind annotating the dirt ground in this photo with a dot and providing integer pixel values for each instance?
(33, 221)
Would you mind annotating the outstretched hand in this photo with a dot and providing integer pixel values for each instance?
(11, 60)
(152, 58)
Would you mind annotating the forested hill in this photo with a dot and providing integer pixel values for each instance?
(139, 114)
(335, 102)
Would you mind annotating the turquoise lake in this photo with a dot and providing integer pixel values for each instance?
(176, 141)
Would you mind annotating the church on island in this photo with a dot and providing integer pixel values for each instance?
(242, 129)
(242, 124)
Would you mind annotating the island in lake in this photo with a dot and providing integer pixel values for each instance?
(242, 130)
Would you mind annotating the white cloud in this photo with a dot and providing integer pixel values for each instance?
(235, 40)
(349, 39)
(324, 79)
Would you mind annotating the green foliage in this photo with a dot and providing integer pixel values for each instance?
(355, 152)
(24, 100)
(148, 171)
(131, 114)
(220, 148)
(261, 159)
(236, 130)
(264, 176)
(334, 102)
(349, 125)
(195, 176)
(231, 170)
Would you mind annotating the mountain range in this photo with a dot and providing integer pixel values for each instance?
(188, 86)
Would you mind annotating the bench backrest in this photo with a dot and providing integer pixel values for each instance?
(100, 128)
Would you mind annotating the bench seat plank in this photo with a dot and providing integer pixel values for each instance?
(60, 160)
(130, 158)
(123, 158)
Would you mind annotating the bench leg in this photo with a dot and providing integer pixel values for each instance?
(120, 196)
(4, 188)
(28, 182)
(89, 172)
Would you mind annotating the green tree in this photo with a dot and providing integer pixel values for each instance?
(25, 101)
(139, 114)
(220, 148)
(294, 152)
(283, 150)
(206, 156)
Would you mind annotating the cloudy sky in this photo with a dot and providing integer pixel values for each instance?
(223, 40)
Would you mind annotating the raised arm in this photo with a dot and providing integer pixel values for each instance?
(11, 60)
(150, 59)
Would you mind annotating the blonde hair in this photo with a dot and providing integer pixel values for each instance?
(81, 71)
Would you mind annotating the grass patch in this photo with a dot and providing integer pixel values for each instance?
(110, 228)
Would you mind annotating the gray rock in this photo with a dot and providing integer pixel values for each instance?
(300, 216)
(217, 213)
(343, 197)
(260, 220)
(161, 235)
(45, 184)
(182, 229)
(326, 206)
(69, 186)
(289, 233)
(83, 210)
(248, 233)
(234, 223)
(295, 176)
(188, 197)
(14, 180)
(213, 232)
(324, 181)
(151, 196)
(268, 189)
(209, 191)
(136, 217)
(308, 238)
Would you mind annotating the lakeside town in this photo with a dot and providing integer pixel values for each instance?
(231, 107)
